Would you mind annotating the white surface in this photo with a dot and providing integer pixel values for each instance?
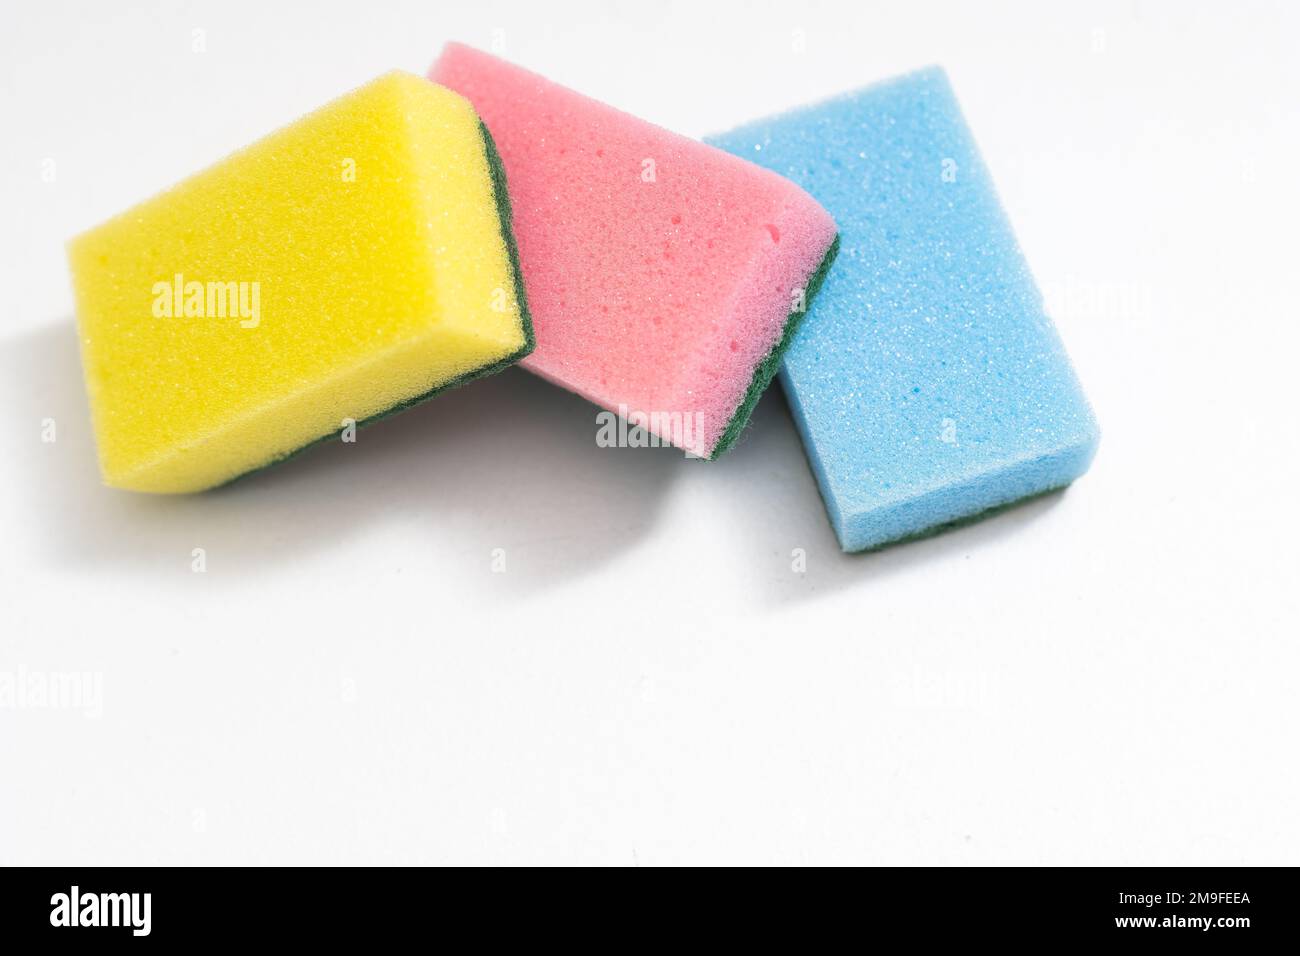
(1109, 676)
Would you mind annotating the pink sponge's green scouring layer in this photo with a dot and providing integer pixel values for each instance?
(665, 277)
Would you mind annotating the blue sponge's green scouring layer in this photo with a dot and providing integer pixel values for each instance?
(927, 381)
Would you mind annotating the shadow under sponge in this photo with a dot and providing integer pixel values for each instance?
(927, 381)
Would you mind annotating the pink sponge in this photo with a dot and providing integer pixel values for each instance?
(665, 277)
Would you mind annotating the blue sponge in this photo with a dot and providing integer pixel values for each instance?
(927, 381)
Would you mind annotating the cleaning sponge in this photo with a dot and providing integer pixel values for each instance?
(927, 382)
(664, 276)
(347, 265)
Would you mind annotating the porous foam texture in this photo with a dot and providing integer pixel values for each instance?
(348, 265)
(662, 273)
(928, 382)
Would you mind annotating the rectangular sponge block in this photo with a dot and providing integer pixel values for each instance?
(664, 275)
(927, 381)
(350, 264)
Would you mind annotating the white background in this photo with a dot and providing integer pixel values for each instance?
(1106, 676)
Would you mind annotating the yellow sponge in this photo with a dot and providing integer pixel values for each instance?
(354, 262)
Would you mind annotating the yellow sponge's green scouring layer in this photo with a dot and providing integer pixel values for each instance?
(348, 265)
